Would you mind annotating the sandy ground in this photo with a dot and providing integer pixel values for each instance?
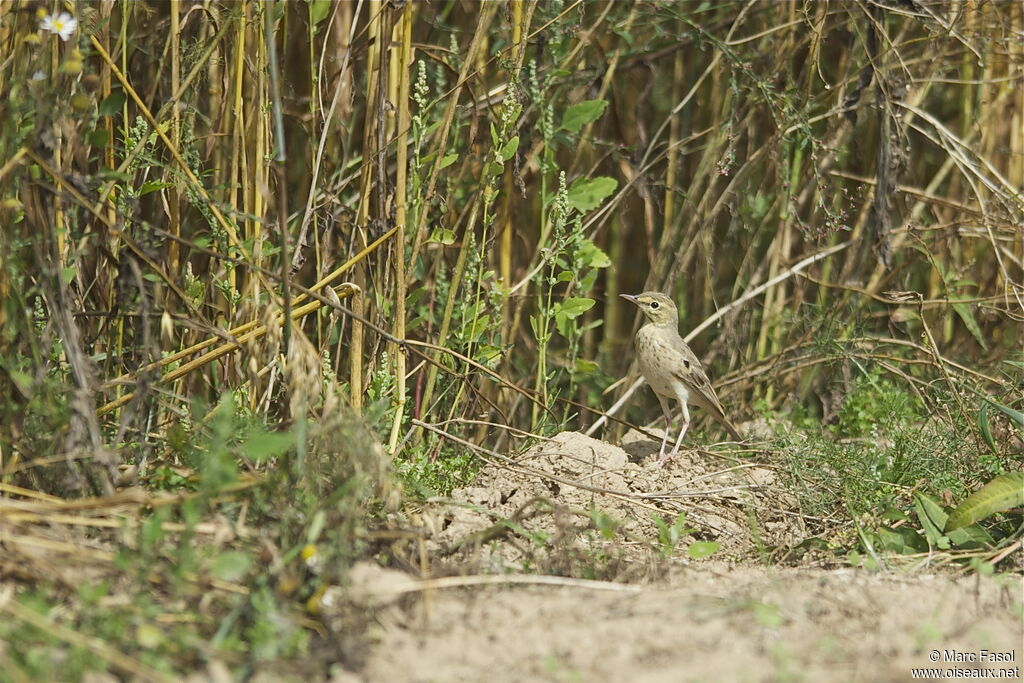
(704, 623)
(655, 614)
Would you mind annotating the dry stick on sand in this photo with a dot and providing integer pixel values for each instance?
(414, 586)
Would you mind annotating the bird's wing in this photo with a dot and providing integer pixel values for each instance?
(687, 369)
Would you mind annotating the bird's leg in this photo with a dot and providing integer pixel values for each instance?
(679, 439)
(668, 425)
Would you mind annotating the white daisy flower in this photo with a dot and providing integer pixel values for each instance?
(62, 24)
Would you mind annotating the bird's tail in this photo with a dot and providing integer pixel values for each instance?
(730, 428)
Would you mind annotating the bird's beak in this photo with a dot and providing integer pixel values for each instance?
(630, 297)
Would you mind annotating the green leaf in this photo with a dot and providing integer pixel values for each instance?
(153, 186)
(902, 540)
(488, 355)
(316, 525)
(447, 160)
(112, 103)
(932, 519)
(442, 236)
(318, 11)
(231, 565)
(698, 550)
(970, 537)
(575, 306)
(110, 174)
(605, 523)
(568, 310)
(585, 367)
(265, 445)
(588, 193)
(929, 513)
(1014, 415)
(593, 256)
(964, 311)
(1002, 493)
(983, 427)
(97, 138)
(472, 330)
(508, 150)
(579, 115)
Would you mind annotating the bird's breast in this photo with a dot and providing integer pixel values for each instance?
(657, 359)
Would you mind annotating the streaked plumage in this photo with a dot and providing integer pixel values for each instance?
(671, 368)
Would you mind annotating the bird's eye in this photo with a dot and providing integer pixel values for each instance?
(655, 305)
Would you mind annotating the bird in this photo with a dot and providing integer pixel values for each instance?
(671, 368)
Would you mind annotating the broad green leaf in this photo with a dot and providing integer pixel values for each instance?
(472, 330)
(588, 193)
(318, 11)
(442, 235)
(905, 540)
(579, 115)
(447, 160)
(97, 138)
(568, 310)
(932, 519)
(929, 511)
(1002, 493)
(508, 150)
(698, 550)
(593, 256)
(972, 536)
(575, 306)
(488, 355)
(585, 367)
(112, 103)
(588, 279)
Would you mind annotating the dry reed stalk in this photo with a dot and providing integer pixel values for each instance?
(404, 61)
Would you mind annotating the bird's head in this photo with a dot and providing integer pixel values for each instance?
(657, 308)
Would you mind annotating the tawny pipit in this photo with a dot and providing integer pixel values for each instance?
(671, 368)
